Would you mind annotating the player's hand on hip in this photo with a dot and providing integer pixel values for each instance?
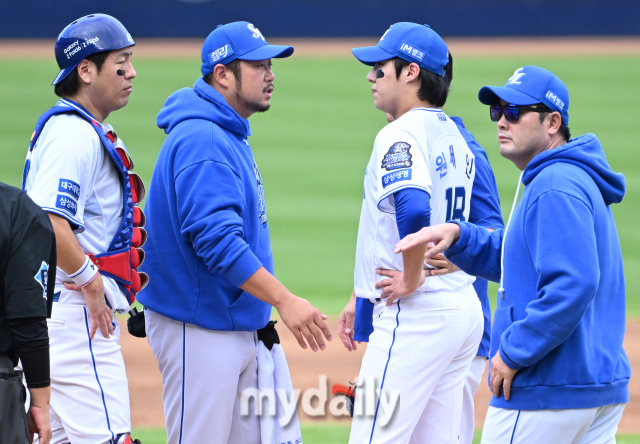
(443, 266)
(397, 288)
(346, 323)
(305, 322)
(442, 236)
(501, 377)
(395, 277)
(98, 310)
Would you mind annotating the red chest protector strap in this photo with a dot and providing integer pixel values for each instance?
(122, 265)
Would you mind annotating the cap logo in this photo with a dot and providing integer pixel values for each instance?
(221, 53)
(551, 97)
(256, 33)
(412, 51)
(129, 37)
(515, 78)
(385, 33)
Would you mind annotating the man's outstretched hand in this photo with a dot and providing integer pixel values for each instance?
(305, 322)
(442, 236)
(303, 319)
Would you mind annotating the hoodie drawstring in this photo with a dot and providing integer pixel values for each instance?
(504, 237)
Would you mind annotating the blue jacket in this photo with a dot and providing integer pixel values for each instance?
(561, 320)
(484, 212)
(206, 216)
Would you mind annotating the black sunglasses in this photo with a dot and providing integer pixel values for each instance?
(512, 112)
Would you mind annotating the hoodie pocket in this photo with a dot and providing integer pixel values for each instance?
(249, 313)
(502, 319)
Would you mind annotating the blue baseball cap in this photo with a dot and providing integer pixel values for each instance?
(530, 85)
(412, 42)
(86, 36)
(238, 40)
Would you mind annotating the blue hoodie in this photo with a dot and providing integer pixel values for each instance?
(561, 319)
(206, 216)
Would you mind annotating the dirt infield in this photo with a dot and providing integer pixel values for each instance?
(338, 47)
(339, 365)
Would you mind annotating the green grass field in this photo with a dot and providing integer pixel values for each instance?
(313, 145)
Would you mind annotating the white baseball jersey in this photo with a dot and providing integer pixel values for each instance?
(422, 149)
(71, 175)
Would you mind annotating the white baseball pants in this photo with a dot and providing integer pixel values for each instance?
(89, 388)
(472, 381)
(572, 426)
(204, 373)
(421, 348)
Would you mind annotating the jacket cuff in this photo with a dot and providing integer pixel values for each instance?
(505, 358)
(243, 268)
(462, 242)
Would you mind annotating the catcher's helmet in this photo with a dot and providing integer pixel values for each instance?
(85, 36)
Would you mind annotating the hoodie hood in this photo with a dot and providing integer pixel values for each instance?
(585, 152)
(201, 102)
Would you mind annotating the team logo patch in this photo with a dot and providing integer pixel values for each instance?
(412, 51)
(397, 157)
(67, 204)
(396, 176)
(221, 53)
(262, 208)
(442, 117)
(70, 187)
(42, 277)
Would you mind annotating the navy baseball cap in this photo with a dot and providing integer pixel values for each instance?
(412, 42)
(238, 40)
(530, 85)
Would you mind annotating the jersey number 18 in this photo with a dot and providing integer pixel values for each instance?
(456, 200)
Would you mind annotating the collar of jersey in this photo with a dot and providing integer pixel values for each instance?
(77, 106)
(431, 110)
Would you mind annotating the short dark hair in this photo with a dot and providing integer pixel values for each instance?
(433, 88)
(234, 66)
(564, 130)
(71, 84)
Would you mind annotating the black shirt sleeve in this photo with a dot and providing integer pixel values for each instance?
(28, 291)
(28, 285)
(31, 339)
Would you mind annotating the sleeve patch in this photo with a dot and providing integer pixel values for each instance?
(396, 176)
(398, 156)
(67, 204)
(69, 187)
